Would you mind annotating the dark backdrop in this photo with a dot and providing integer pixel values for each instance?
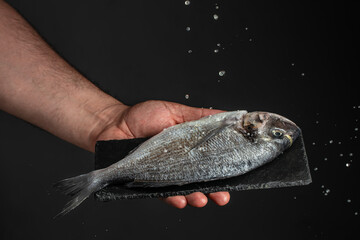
(294, 58)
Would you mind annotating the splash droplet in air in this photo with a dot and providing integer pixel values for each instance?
(221, 73)
(187, 3)
(216, 17)
(190, 51)
(187, 96)
(216, 50)
(188, 29)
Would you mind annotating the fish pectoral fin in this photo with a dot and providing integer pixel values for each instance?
(212, 134)
(145, 184)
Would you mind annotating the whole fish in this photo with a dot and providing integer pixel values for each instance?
(214, 147)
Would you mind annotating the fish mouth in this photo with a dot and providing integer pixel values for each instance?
(293, 136)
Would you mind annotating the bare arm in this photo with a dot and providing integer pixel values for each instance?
(40, 87)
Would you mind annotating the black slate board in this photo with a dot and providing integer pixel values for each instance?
(290, 169)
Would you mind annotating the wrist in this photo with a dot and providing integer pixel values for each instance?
(105, 119)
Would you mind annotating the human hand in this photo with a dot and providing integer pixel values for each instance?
(151, 117)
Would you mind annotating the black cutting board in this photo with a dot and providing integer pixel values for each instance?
(289, 169)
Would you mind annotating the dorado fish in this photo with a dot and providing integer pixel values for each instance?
(215, 147)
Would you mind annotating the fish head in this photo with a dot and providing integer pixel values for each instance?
(270, 127)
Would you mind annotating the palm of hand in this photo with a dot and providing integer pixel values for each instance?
(149, 118)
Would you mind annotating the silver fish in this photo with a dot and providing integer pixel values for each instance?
(215, 147)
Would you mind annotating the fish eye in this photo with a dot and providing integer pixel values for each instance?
(277, 133)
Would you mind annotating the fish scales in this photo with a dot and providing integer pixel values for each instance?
(186, 164)
(215, 147)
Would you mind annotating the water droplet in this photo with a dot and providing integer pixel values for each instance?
(188, 29)
(187, 96)
(302, 74)
(331, 141)
(246, 28)
(187, 3)
(292, 64)
(341, 155)
(313, 143)
(347, 164)
(339, 143)
(326, 192)
(210, 107)
(250, 39)
(106, 230)
(221, 73)
(317, 122)
(349, 200)
(216, 50)
(325, 159)
(351, 154)
(356, 129)
(315, 169)
(355, 213)
(294, 198)
(218, 44)
(322, 186)
(216, 17)
(190, 51)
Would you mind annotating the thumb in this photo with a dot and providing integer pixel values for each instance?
(183, 113)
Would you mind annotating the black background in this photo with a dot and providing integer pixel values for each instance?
(300, 63)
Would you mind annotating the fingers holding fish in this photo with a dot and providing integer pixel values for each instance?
(182, 113)
(220, 198)
(176, 201)
(198, 199)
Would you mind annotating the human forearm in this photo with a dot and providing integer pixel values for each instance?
(40, 87)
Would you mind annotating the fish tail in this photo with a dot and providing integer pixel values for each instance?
(79, 188)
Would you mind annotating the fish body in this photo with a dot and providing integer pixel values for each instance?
(215, 147)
